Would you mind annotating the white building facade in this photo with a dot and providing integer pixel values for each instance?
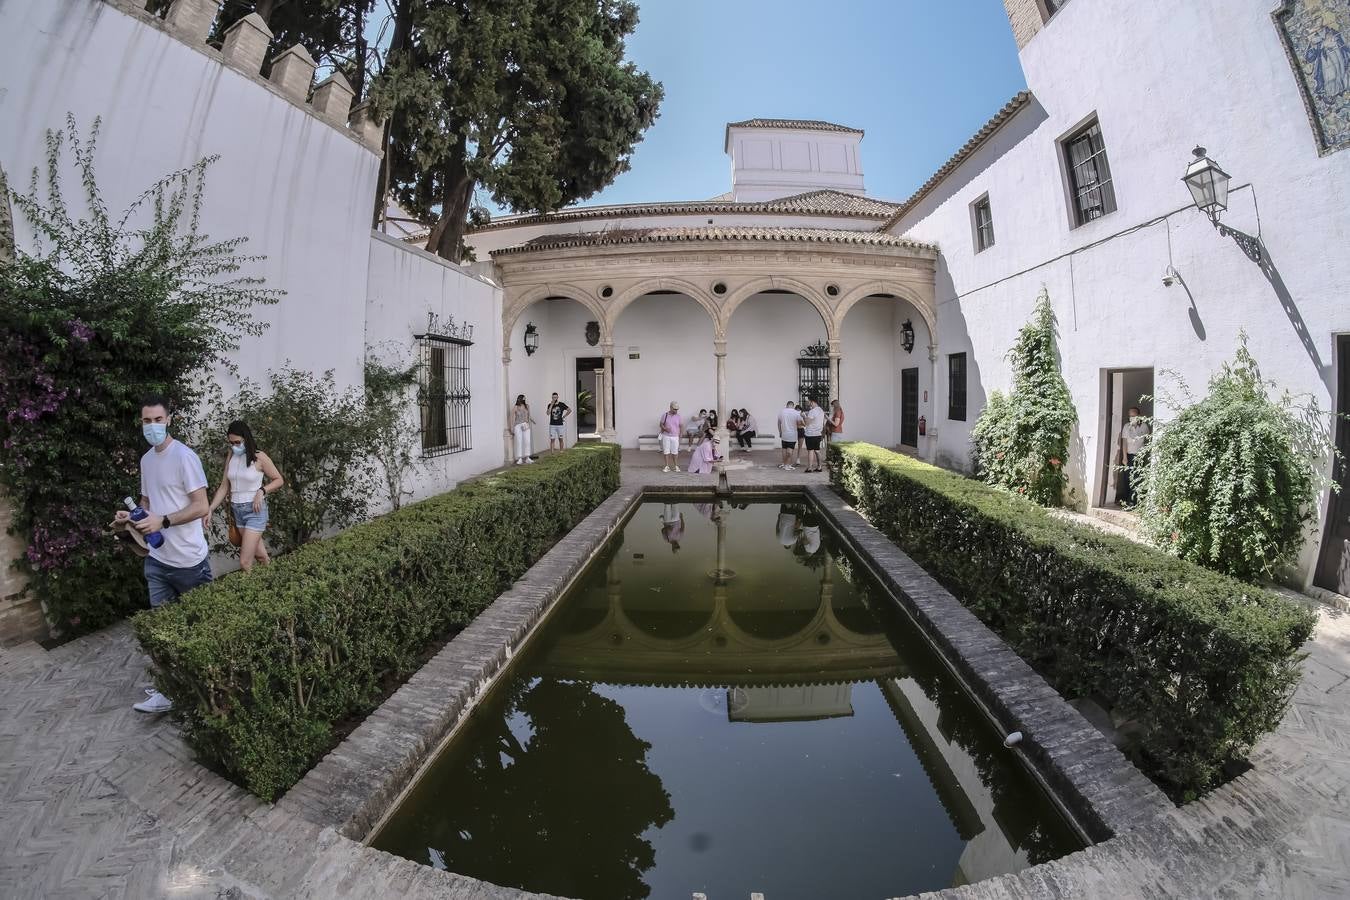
(795, 282)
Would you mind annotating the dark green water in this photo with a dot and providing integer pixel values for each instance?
(779, 729)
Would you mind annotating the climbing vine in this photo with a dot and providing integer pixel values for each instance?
(104, 309)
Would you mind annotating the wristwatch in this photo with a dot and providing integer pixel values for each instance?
(168, 523)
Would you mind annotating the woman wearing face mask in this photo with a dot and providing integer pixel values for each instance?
(245, 468)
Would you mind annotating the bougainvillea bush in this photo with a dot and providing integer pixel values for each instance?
(1021, 441)
(1233, 480)
(103, 311)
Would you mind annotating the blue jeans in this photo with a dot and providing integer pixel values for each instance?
(168, 583)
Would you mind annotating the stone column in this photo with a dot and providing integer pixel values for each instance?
(723, 436)
(836, 392)
(508, 451)
(929, 451)
(608, 434)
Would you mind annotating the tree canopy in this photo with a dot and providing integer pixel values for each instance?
(530, 99)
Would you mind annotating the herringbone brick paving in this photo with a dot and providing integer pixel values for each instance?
(97, 800)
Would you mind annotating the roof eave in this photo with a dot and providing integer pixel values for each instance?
(1006, 114)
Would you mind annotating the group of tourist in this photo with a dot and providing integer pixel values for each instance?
(800, 428)
(168, 524)
(523, 436)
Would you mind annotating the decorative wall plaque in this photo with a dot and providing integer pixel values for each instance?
(1316, 36)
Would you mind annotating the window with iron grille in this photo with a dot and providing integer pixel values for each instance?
(984, 224)
(443, 395)
(1089, 174)
(813, 374)
(956, 386)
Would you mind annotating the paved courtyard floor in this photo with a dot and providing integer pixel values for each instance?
(99, 801)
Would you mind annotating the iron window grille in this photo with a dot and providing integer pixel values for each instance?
(956, 386)
(443, 394)
(1089, 175)
(984, 224)
(813, 374)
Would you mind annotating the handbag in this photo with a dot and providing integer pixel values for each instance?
(236, 536)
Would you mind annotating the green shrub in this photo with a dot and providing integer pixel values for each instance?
(1202, 663)
(1021, 440)
(1232, 481)
(104, 309)
(262, 666)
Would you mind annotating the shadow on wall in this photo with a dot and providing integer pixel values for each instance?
(1256, 250)
(954, 337)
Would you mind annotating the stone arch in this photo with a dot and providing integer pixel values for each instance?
(779, 283)
(696, 293)
(512, 312)
(903, 291)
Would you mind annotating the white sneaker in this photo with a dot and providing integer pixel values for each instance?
(529, 460)
(155, 703)
(665, 469)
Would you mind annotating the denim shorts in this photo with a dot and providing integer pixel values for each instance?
(245, 517)
(167, 583)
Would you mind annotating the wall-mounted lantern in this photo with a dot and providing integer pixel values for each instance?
(1209, 189)
(1208, 184)
(531, 339)
(907, 336)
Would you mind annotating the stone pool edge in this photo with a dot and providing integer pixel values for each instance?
(1102, 789)
(351, 790)
(353, 787)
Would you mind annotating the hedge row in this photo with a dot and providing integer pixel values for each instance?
(262, 667)
(1202, 663)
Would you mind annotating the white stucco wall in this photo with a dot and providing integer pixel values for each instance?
(296, 186)
(767, 163)
(407, 284)
(1211, 72)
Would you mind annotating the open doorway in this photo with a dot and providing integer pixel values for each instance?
(1124, 388)
(1333, 564)
(587, 405)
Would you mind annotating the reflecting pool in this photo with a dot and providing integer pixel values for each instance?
(727, 703)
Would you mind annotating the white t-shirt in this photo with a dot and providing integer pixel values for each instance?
(1134, 434)
(815, 422)
(167, 478)
(787, 423)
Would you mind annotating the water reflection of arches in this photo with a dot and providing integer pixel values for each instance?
(830, 642)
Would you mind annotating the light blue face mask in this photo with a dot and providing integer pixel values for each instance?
(237, 449)
(155, 432)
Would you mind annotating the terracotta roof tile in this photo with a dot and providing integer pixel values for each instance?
(714, 233)
(812, 203)
(796, 124)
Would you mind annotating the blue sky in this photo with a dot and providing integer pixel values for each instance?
(920, 77)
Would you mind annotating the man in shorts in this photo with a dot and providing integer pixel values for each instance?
(669, 435)
(173, 493)
(789, 421)
(813, 421)
(557, 422)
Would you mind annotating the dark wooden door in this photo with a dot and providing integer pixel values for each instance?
(909, 407)
(1333, 566)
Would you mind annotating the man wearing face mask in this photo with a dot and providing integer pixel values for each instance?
(173, 493)
(1133, 435)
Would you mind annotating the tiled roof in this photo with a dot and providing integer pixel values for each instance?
(812, 203)
(715, 233)
(796, 124)
(1000, 118)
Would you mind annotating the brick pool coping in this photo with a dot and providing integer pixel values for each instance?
(362, 780)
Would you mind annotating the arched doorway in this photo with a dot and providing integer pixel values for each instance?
(885, 346)
(777, 350)
(663, 351)
(563, 360)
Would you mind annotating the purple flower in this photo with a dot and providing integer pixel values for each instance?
(80, 331)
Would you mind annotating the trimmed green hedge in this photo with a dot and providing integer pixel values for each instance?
(1202, 663)
(261, 667)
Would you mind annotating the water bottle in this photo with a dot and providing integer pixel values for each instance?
(154, 538)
